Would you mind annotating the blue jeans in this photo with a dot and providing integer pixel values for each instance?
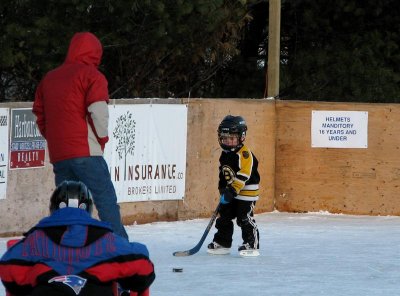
(93, 172)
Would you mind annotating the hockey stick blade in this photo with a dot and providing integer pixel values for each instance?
(196, 248)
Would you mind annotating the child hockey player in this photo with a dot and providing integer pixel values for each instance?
(70, 253)
(238, 186)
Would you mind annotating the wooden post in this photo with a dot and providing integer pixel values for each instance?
(273, 48)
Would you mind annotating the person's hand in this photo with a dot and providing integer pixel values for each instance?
(227, 195)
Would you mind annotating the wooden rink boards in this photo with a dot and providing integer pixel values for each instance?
(294, 176)
(350, 181)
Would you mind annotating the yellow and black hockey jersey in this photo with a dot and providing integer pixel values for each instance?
(240, 171)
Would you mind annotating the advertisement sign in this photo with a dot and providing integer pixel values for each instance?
(27, 146)
(339, 129)
(3, 151)
(146, 152)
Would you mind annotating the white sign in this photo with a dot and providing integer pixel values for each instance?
(146, 152)
(339, 129)
(4, 126)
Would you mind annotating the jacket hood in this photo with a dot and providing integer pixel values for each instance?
(85, 48)
(75, 224)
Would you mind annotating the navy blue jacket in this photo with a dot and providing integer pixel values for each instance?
(70, 253)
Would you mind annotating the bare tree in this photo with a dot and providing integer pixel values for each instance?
(125, 135)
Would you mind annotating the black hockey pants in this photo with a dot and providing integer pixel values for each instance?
(243, 212)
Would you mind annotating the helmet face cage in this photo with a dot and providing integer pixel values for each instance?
(71, 194)
(232, 126)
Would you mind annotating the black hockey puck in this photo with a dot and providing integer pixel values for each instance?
(177, 269)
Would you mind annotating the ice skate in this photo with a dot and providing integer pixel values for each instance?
(122, 292)
(216, 249)
(246, 250)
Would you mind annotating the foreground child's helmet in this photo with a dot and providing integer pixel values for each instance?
(232, 126)
(71, 194)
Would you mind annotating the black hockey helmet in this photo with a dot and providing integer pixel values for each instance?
(232, 126)
(71, 194)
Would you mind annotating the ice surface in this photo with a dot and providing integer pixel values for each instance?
(301, 254)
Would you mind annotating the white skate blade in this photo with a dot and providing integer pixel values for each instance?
(249, 253)
(219, 251)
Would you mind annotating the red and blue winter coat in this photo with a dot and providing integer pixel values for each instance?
(70, 253)
(71, 102)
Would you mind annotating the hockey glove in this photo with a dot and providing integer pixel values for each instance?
(227, 195)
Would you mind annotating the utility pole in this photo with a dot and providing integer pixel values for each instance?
(274, 36)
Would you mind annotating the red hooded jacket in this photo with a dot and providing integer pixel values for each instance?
(71, 102)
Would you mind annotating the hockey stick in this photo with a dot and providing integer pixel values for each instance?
(197, 247)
